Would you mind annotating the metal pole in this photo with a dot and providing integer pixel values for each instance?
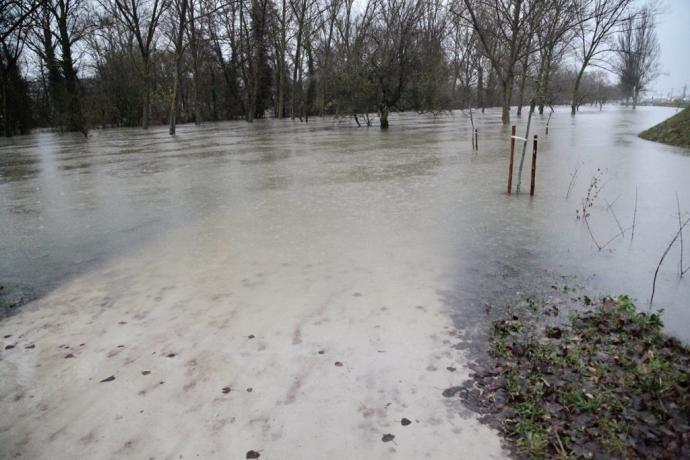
(534, 166)
(512, 156)
(476, 138)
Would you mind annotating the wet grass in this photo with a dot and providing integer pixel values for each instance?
(674, 131)
(606, 382)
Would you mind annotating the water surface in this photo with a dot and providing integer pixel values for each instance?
(414, 197)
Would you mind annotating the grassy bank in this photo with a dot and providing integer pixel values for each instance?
(607, 382)
(673, 131)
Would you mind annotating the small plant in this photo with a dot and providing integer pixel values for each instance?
(606, 383)
(595, 187)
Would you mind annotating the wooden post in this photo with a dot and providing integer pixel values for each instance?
(534, 166)
(512, 156)
(476, 138)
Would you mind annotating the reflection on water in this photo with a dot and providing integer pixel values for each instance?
(415, 195)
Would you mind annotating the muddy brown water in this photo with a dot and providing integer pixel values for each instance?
(415, 196)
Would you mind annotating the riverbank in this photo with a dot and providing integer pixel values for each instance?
(604, 382)
(673, 131)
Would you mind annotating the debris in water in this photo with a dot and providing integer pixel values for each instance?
(387, 437)
(108, 379)
(253, 454)
(405, 421)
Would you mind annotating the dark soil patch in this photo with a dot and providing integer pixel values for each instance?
(606, 383)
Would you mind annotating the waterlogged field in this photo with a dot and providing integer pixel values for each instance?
(298, 289)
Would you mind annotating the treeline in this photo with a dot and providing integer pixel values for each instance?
(75, 64)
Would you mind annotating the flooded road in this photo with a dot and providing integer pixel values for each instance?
(257, 256)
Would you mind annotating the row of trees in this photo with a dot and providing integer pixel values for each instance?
(81, 63)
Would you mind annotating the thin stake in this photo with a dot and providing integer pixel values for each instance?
(681, 236)
(476, 139)
(512, 157)
(572, 181)
(534, 166)
(634, 217)
(663, 256)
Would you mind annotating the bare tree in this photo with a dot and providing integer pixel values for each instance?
(14, 29)
(638, 54)
(505, 31)
(179, 20)
(142, 18)
(598, 21)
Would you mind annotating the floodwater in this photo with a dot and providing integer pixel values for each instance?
(376, 248)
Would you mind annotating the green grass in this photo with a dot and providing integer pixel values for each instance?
(591, 385)
(673, 131)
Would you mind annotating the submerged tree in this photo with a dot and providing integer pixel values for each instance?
(14, 28)
(638, 54)
(141, 18)
(596, 28)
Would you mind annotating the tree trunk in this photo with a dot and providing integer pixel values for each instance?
(281, 62)
(194, 49)
(383, 116)
(295, 71)
(480, 88)
(74, 115)
(173, 104)
(5, 112)
(576, 89)
(507, 96)
(178, 67)
(147, 95)
(521, 94)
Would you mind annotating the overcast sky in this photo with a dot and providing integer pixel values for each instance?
(674, 37)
